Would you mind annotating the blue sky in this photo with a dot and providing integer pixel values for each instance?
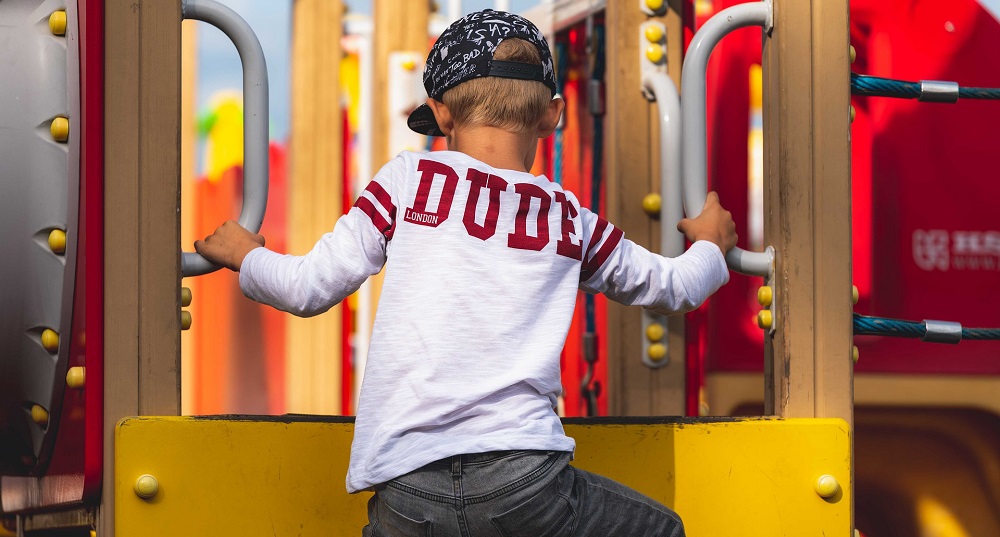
(219, 65)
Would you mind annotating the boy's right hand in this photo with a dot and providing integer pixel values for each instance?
(714, 224)
(229, 244)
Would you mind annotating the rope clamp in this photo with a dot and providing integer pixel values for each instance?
(938, 91)
(942, 332)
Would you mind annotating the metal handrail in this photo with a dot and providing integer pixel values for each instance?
(255, 119)
(693, 107)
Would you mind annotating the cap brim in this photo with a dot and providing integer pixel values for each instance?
(422, 120)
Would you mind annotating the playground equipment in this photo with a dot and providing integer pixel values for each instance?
(774, 477)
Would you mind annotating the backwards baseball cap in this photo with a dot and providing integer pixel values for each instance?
(465, 51)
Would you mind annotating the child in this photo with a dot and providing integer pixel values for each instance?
(456, 426)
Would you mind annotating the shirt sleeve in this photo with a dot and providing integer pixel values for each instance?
(338, 264)
(629, 274)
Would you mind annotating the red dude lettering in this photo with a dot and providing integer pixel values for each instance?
(495, 185)
(519, 238)
(418, 214)
(565, 246)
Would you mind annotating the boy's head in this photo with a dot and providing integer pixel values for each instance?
(490, 68)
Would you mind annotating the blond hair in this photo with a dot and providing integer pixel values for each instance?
(510, 104)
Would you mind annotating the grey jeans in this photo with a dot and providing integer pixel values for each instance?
(513, 494)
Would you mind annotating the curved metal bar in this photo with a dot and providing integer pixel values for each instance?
(695, 155)
(255, 117)
(672, 209)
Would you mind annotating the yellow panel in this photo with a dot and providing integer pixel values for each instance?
(241, 477)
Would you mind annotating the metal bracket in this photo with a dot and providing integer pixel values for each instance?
(653, 346)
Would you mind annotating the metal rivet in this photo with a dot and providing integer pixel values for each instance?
(651, 204)
(50, 340)
(59, 128)
(146, 486)
(764, 319)
(827, 486)
(57, 22)
(76, 377)
(654, 53)
(765, 296)
(39, 415)
(653, 33)
(655, 332)
(57, 241)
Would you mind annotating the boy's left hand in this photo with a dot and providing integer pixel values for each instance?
(229, 245)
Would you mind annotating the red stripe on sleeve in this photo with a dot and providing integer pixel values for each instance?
(381, 196)
(595, 237)
(376, 217)
(595, 263)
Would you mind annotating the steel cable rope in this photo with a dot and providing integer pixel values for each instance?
(927, 330)
(925, 90)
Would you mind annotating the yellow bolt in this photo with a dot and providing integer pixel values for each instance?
(765, 296)
(59, 129)
(854, 54)
(655, 332)
(657, 352)
(50, 340)
(654, 53)
(185, 320)
(409, 64)
(146, 486)
(855, 354)
(93, 533)
(76, 377)
(57, 241)
(827, 486)
(653, 33)
(651, 204)
(654, 5)
(855, 295)
(57, 22)
(764, 319)
(39, 415)
(186, 296)
(853, 113)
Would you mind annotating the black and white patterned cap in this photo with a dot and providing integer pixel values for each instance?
(465, 51)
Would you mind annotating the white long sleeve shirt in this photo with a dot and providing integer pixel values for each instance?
(482, 271)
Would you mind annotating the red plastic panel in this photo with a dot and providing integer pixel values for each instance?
(926, 238)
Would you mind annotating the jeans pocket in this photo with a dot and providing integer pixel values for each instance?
(546, 514)
(387, 522)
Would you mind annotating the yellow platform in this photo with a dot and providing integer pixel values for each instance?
(238, 476)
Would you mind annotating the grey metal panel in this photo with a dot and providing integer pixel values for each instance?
(39, 191)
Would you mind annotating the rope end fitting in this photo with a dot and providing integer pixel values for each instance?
(938, 91)
(942, 332)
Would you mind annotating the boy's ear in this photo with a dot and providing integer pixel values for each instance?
(443, 116)
(552, 116)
